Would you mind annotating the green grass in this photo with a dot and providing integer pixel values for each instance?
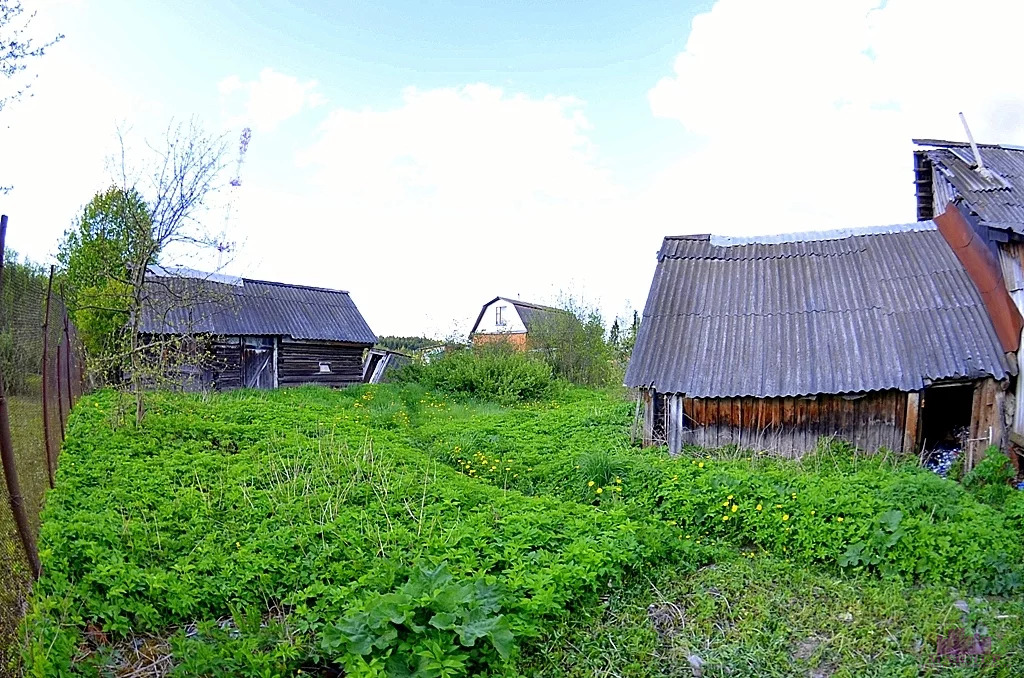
(26, 419)
(264, 533)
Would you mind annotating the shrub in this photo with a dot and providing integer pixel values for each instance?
(495, 372)
(573, 344)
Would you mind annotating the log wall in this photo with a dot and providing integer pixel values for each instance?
(298, 362)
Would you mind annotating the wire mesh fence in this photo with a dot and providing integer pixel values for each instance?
(41, 377)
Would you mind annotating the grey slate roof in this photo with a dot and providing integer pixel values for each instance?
(189, 304)
(812, 313)
(998, 201)
(531, 314)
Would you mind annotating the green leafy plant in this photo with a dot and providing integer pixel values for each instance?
(429, 628)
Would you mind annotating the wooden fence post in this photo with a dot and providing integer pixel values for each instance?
(46, 405)
(60, 398)
(7, 451)
(67, 348)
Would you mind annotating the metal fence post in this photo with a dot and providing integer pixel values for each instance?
(46, 416)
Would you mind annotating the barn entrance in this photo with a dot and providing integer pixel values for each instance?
(945, 424)
(258, 362)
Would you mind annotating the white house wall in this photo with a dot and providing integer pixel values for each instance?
(513, 323)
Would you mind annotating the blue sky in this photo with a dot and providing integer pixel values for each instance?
(428, 156)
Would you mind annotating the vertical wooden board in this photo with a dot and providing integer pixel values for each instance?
(711, 416)
(737, 421)
(812, 409)
(910, 426)
(899, 419)
(648, 408)
(975, 449)
(788, 413)
(825, 415)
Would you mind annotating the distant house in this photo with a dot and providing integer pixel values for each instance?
(510, 320)
(255, 333)
(989, 190)
(890, 337)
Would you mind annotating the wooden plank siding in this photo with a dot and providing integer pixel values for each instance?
(786, 426)
(298, 362)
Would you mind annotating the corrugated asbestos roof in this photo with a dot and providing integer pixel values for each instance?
(528, 312)
(533, 313)
(888, 309)
(998, 199)
(187, 304)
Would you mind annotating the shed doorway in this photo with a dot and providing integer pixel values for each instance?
(945, 424)
(258, 362)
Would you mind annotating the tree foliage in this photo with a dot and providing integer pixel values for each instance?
(95, 256)
(574, 344)
(155, 210)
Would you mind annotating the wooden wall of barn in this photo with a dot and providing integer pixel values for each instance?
(298, 362)
(225, 371)
(787, 426)
(792, 426)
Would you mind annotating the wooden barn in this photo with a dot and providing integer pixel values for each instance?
(895, 337)
(255, 333)
(509, 320)
(987, 182)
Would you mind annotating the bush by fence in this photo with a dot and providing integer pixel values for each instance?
(41, 377)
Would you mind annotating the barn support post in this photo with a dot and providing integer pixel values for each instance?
(46, 361)
(913, 419)
(986, 426)
(648, 407)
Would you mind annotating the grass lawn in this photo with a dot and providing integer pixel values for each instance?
(388, 530)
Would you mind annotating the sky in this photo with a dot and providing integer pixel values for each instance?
(429, 156)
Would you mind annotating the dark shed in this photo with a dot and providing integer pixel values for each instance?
(773, 342)
(260, 334)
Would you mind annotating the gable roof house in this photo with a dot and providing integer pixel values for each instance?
(986, 182)
(882, 336)
(510, 320)
(255, 333)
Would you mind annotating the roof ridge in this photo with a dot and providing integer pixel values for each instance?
(293, 286)
(842, 311)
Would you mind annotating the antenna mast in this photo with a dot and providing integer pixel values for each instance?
(982, 170)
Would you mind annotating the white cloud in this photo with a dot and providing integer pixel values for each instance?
(54, 146)
(267, 101)
(426, 210)
(805, 109)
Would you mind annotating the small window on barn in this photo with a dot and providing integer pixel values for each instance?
(325, 367)
(499, 316)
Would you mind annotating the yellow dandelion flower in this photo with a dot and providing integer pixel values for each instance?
(590, 484)
(700, 465)
(729, 497)
(734, 508)
(813, 512)
(725, 517)
(758, 507)
(618, 480)
(785, 516)
(618, 488)
(840, 519)
(599, 490)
